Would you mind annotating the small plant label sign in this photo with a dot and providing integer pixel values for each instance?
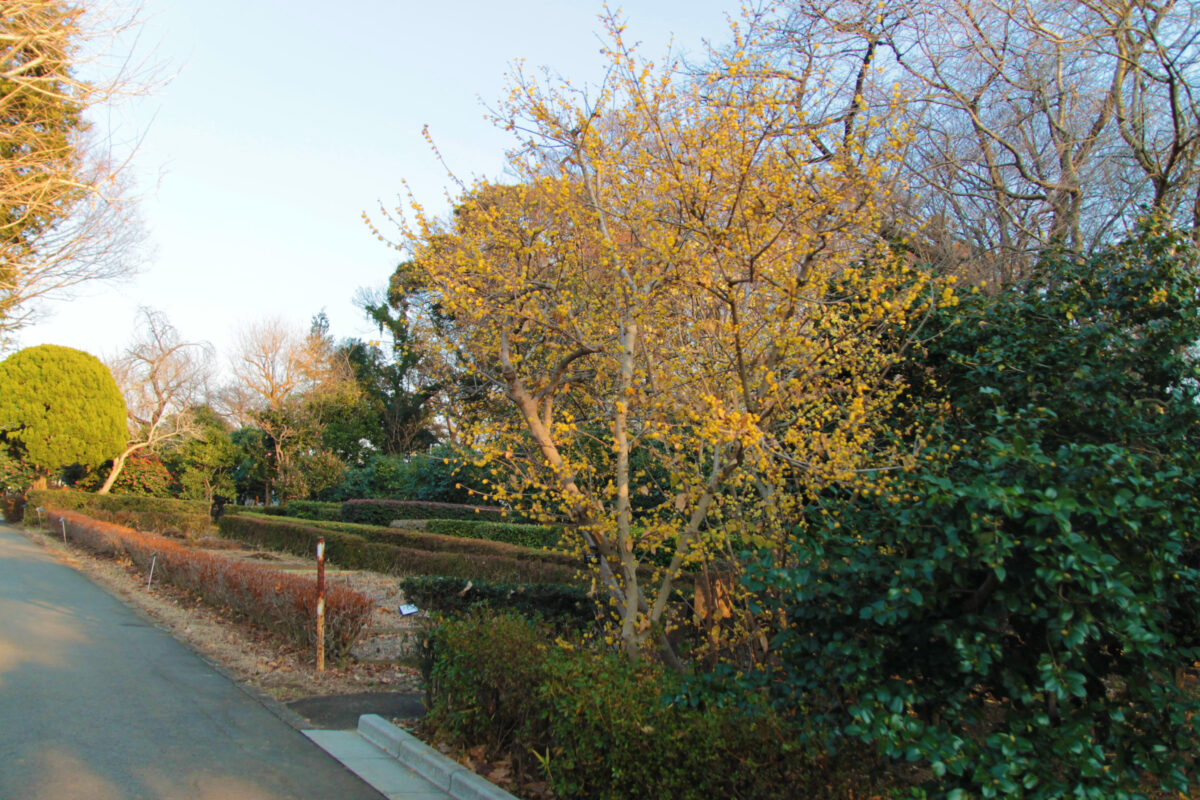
(407, 608)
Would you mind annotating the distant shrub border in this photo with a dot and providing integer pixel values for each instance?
(312, 509)
(411, 554)
(510, 532)
(279, 602)
(157, 514)
(417, 538)
(382, 512)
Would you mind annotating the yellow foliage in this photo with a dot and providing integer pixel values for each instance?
(713, 291)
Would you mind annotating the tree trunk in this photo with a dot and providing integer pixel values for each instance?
(118, 465)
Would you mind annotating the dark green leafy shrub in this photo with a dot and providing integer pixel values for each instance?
(598, 726)
(443, 475)
(382, 512)
(143, 476)
(1015, 614)
(569, 606)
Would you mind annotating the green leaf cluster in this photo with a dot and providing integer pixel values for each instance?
(1014, 614)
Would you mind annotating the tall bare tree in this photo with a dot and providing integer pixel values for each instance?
(1033, 124)
(162, 378)
(66, 215)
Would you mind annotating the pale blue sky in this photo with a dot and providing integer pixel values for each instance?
(286, 120)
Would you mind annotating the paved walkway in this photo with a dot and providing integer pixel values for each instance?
(98, 704)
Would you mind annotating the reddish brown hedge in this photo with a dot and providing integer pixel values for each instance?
(279, 602)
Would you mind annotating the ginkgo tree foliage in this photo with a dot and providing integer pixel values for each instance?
(673, 275)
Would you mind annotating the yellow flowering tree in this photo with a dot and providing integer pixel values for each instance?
(687, 310)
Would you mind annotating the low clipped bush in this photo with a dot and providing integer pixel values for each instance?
(510, 532)
(382, 512)
(157, 514)
(569, 606)
(596, 725)
(279, 602)
(311, 509)
(492, 561)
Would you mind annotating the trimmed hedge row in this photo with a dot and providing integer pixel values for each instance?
(421, 540)
(157, 514)
(562, 605)
(382, 512)
(510, 532)
(279, 602)
(74, 500)
(312, 509)
(413, 557)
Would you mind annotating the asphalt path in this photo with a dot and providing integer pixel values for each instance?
(96, 703)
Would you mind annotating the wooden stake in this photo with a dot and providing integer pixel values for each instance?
(320, 604)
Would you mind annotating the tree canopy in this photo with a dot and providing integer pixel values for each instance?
(60, 406)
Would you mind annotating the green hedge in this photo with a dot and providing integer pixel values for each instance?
(563, 605)
(511, 532)
(382, 512)
(158, 514)
(72, 500)
(311, 509)
(353, 551)
(601, 727)
(421, 540)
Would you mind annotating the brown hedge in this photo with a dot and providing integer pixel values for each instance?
(279, 602)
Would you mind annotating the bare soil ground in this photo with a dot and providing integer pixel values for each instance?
(381, 661)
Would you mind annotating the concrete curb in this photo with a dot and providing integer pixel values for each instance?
(447, 774)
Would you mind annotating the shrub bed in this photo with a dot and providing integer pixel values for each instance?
(420, 540)
(382, 512)
(562, 605)
(354, 551)
(510, 532)
(596, 725)
(279, 602)
(158, 514)
(311, 509)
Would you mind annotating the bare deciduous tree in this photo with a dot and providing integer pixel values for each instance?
(66, 215)
(1034, 124)
(162, 378)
